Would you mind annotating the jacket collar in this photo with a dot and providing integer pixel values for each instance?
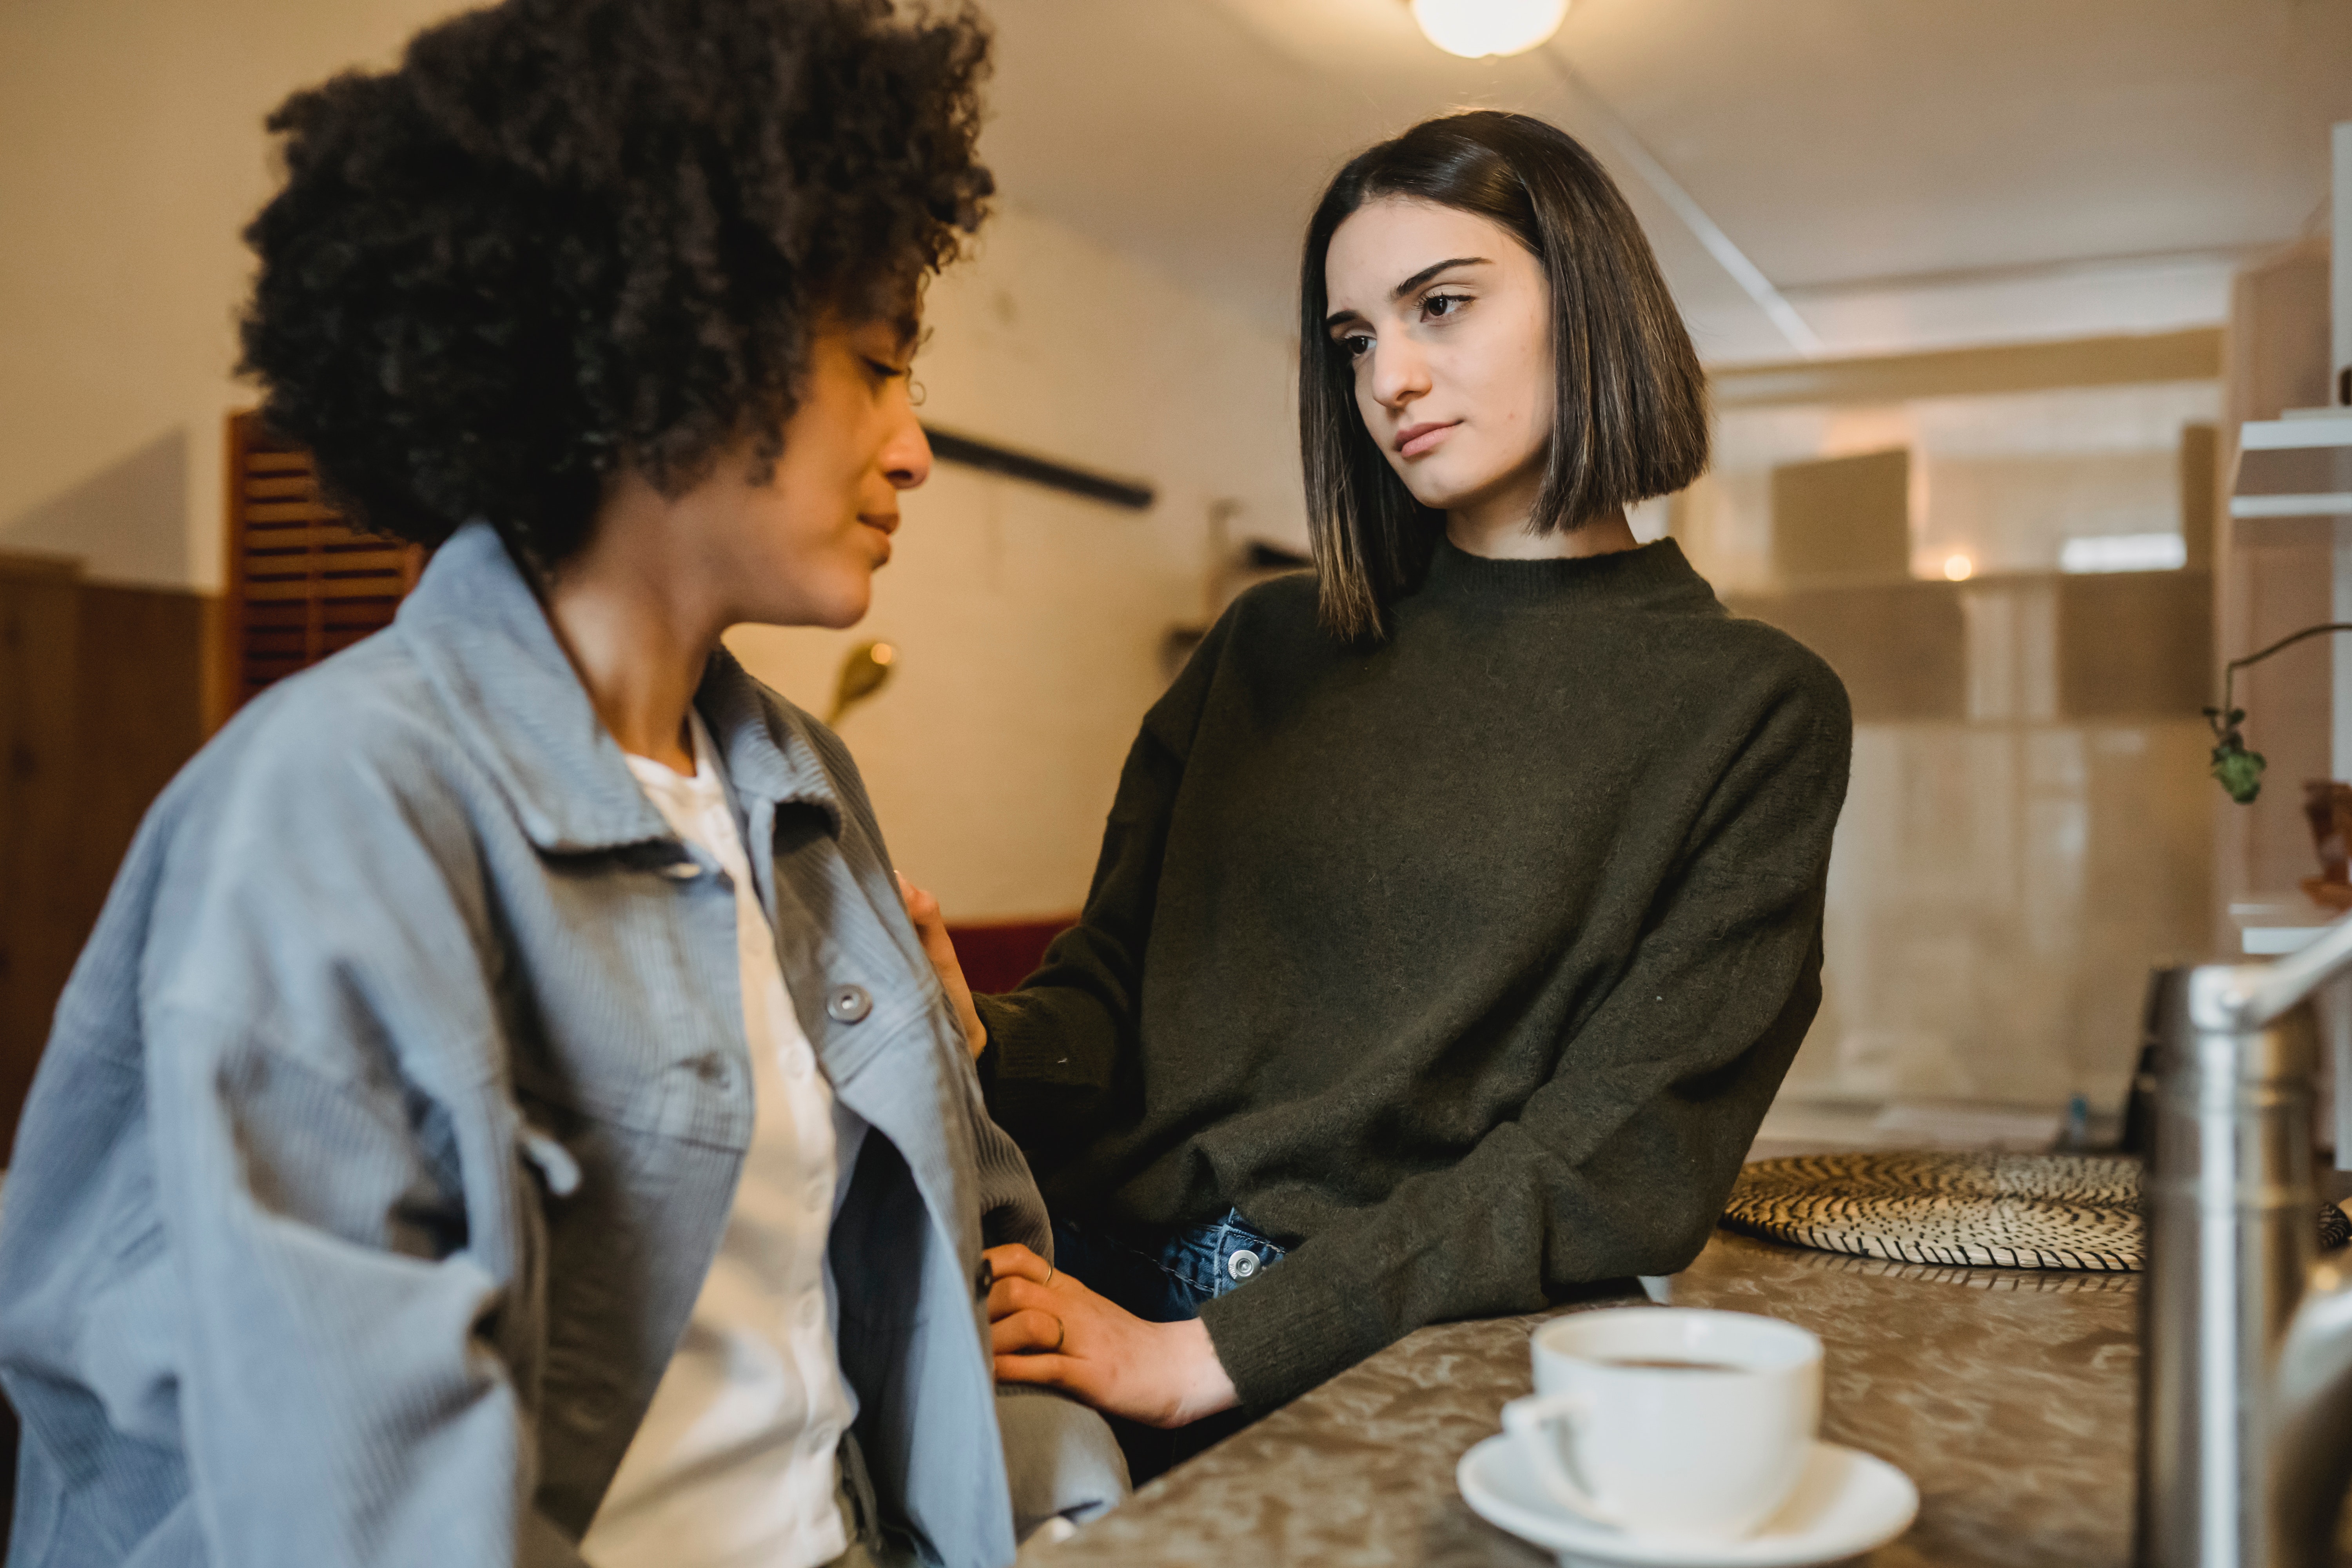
(483, 641)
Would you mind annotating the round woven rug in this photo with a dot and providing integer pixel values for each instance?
(2005, 1211)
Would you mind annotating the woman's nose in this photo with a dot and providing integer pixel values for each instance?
(907, 456)
(1400, 374)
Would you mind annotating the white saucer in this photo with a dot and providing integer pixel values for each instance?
(1845, 1503)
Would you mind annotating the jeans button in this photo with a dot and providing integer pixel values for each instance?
(1241, 1263)
(848, 1003)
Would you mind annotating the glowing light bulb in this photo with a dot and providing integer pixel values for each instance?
(1959, 568)
(1476, 29)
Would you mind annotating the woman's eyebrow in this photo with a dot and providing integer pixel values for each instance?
(1426, 273)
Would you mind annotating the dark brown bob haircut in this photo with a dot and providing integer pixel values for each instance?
(1630, 418)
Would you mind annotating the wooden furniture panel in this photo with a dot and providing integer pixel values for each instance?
(40, 610)
(1900, 648)
(2135, 645)
(139, 684)
(302, 583)
(1842, 520)
(2200, 493)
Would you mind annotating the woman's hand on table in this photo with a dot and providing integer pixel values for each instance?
(1049, 1329)
(932, 926)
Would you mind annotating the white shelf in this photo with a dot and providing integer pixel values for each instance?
(2296, 467)
(2273, 924)
(2330, 504)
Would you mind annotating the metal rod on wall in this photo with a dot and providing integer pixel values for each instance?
(950, 448)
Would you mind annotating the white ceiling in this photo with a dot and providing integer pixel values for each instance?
(1906, 173)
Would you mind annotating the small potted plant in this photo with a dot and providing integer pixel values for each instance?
(2328, 803)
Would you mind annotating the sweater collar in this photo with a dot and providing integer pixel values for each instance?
(1647, 573)
(483, 643)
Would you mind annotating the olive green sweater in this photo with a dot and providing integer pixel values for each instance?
(1465, 965)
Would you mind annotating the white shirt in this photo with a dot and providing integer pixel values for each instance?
(735, 1466)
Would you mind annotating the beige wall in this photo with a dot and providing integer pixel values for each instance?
(130, 155)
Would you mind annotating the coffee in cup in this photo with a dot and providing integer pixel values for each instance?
(1676, 1423)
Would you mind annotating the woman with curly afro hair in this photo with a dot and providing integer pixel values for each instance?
(504, 1114)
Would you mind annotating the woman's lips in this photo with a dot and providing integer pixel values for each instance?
(1415, 439)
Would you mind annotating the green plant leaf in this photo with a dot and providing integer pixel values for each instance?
(2239, 770)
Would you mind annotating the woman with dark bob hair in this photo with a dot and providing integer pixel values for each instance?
(1460, 907)
(505, 1100)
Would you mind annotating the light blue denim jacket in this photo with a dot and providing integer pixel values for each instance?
(391, 1117)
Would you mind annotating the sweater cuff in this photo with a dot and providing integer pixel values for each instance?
(1027, 1077)
(1288, 1331)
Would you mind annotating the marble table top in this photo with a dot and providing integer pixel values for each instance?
(2006, 1394)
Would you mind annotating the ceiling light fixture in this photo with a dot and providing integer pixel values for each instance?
(1476, 29)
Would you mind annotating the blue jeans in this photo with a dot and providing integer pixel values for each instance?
(1164, 1277)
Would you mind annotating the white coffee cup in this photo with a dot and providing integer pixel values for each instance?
(1676, 1423)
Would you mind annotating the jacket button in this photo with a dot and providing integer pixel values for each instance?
(1242, 1264)
(848, 1003)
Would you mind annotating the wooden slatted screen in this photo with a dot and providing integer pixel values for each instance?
(302, 583)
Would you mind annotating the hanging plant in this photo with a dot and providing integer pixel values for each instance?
(2239, 770)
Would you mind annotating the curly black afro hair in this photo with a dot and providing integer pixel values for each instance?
(568, 237)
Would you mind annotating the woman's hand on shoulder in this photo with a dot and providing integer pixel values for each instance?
(932, 926)
(1049, 1329)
